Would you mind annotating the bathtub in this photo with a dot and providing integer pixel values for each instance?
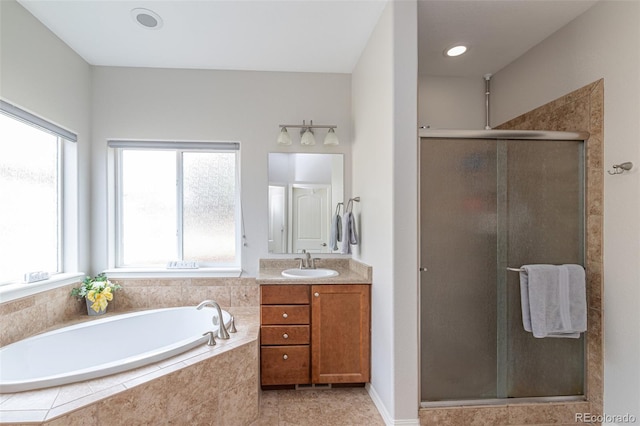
(102, 347)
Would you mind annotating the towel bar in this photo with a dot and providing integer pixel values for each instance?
(520, 269)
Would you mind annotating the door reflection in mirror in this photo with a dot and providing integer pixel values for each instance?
(303, 191)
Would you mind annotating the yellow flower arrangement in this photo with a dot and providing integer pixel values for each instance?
(98, 290)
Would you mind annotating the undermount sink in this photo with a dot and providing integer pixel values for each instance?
(309, 273)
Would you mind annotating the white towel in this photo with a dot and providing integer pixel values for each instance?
(349, 233)
(553, 300)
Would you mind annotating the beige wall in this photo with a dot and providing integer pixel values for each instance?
(602, 43)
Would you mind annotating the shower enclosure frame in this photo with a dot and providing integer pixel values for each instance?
(529, 135)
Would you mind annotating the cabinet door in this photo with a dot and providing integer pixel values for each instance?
(340, 333)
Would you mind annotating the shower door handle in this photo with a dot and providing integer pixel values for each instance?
(422, 269)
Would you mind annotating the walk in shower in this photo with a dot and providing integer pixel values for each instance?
(492, 200)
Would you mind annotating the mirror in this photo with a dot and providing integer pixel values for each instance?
(304, 190)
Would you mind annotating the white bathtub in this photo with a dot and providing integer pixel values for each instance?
(102, 347)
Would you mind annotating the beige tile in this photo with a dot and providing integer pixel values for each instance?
(32, 400)
(142, 405)
(17, 305)
(71, 392)
(193, 295)
(83, 417)
(245, 296)
(205, 414)
(20, 417)
(309, 413)
(106, 382)
(191, 387)
(454, 416)
(239, 403)
(533, 414)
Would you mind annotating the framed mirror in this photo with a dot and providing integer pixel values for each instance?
(304, 191)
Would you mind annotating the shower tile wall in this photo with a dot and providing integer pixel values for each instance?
(579, 110)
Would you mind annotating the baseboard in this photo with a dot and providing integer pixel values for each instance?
(388, 420)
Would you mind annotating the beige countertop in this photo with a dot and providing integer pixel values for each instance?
(350, 271)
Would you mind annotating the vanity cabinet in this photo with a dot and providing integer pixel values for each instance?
(284, 335)
(340, 333)
(315, 334)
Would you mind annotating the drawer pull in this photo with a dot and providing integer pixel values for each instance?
(285, 315)
(285, 336)
(285, 356)
(316, 294)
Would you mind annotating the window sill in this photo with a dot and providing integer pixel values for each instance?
(11, 292)
(173, 273)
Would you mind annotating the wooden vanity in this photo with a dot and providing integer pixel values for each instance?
(314, 333)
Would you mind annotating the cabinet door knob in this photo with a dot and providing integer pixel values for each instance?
(285, 315)
(316, 294)
(285, 336)
(285, 356)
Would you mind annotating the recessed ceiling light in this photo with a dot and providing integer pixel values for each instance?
(147, 18)
(455, 50)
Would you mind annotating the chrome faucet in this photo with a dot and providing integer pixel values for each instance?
(307, 262)
(222, 330)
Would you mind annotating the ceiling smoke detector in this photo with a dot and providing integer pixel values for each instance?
(147, 18)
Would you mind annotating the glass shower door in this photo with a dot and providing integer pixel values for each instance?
(458, 246)
(487, 204)
(544, 224)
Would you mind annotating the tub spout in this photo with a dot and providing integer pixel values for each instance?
(222, 330)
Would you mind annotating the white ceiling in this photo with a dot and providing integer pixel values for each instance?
(496, 31)
(297, 35)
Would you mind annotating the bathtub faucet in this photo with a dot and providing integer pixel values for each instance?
(222, 330)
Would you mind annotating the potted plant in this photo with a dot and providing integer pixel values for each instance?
(97, 292)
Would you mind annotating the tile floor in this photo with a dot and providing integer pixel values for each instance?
(328, 407)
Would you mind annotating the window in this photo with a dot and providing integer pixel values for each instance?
(31, 194)
(176, 201)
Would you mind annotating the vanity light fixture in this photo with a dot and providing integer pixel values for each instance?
(307, 135)
(456, 50)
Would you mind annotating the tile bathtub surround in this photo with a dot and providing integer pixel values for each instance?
(205, 383)
(166, 293)
(42, 312)
(35, 314)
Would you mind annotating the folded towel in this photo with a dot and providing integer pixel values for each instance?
(349, 233)
(336, 232)
(553, 300)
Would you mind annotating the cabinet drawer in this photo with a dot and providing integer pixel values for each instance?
(284, 335)
(284, 294)
(284, 365)
(284, 314)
